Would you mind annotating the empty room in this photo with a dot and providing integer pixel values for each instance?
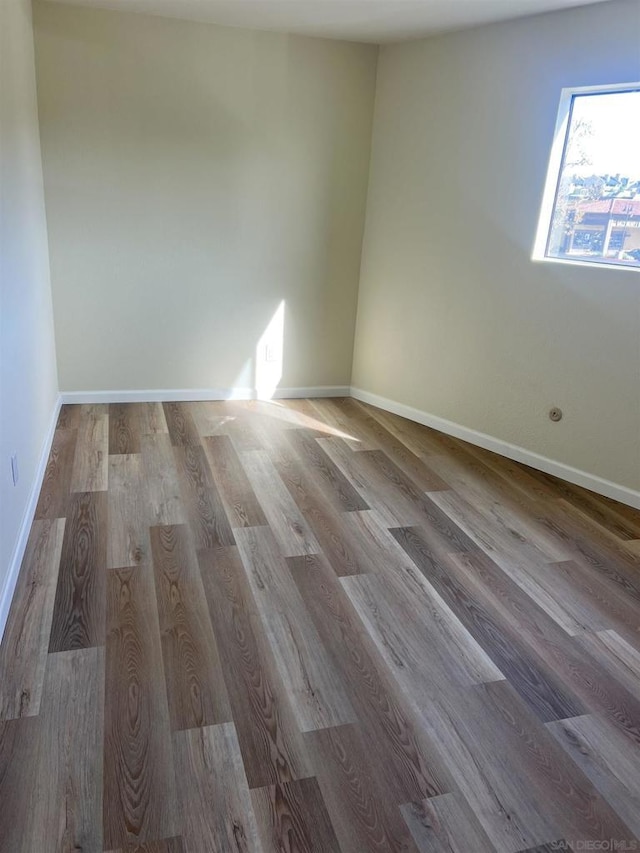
(319, 426)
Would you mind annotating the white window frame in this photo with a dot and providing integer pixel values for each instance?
(552, 181)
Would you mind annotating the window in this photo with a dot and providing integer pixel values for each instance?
(591, 206)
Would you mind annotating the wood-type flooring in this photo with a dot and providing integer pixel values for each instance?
(311, 625)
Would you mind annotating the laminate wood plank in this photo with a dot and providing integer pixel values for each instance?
(394, 507)
(519, 478)
(180, 423)
(228, 417)
(209, 418)
(605, 757)
(466, 680)
(150, 418)
(445, 824)
(216, 811)
(513, 773)
(241, 504)
(56, 485)
(128, 535)
(621, 520)
(338, 424)
(271, 746)
(617, 656)
(315, 687)
(66, 800)
(79, 610)
(594, 602)
(502, 506)
(403, 755)
(379, 438)
(202, 503)
(502, 547)
(19, 743)
(292, 816)
(166, 845)
(69, 416)
(285, 519)
(419, 439)
(345, 552)
(124, 433)
(23, 652)
(401, 633)
(336, 487)
(530, 675)
(299, 412)
(196, 690)
(140, 800)
(363, 816)
(161, 483)
(591, 683)
(91, 459)
(589, 544)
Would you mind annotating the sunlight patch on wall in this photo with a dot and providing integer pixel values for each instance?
(269, 356)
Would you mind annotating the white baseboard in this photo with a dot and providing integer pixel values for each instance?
(178, 395)
(504, 448)
(6, 596)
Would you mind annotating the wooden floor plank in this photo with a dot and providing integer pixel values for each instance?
(378, 437)
(403, 754)
(360, 467)
(124, 428)
(140, 801)
(150, 418)
(390, 618)
(617, 656)
(182, 428)
(242, 507)
(528, 570)
(166, 845)
(511, 772)
(530, 675)
(215, 805)
(56, 485)
(346, 553)
(362, 814)
(196, 690)
(607, 759)
(23, 652)
(289, 527)
(325, 627)
(445, 823)
(19, 741)
(316, 688)
(293, 816)
(203, 505)
(79, 610)
(336, 487)
(270, 743)
(91, 459)
(161, 483)
(69, 416)
(128, 537)
(66, 804)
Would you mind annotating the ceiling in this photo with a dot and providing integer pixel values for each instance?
(358, 20)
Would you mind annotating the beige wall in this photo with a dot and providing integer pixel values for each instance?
(28, 382)
(196, 176)
(454, 318)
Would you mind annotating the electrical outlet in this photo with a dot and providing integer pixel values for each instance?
(14, 469)
(270, 354)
